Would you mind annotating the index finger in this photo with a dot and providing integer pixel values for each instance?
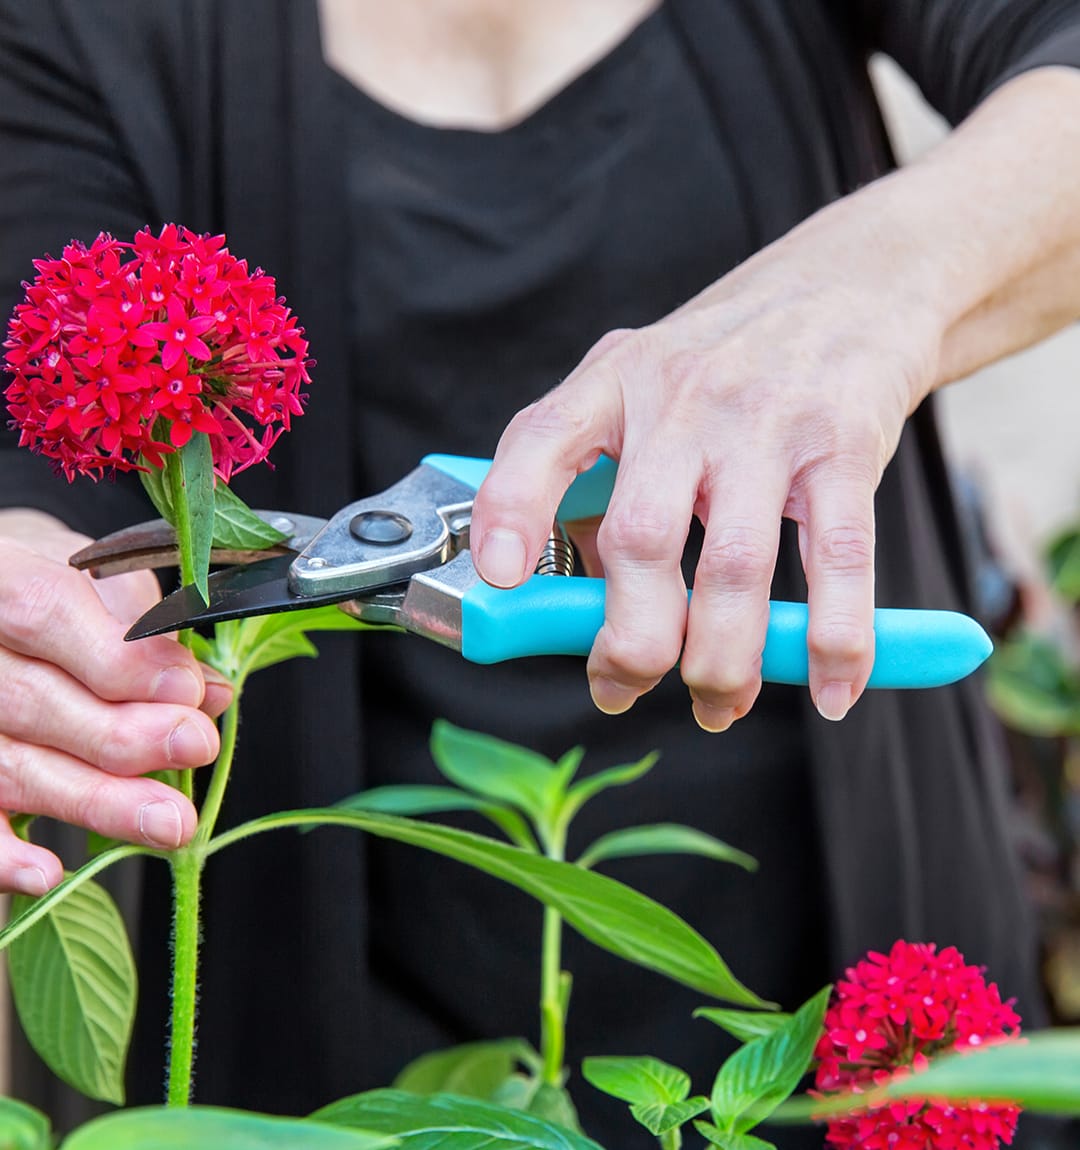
(50, 612)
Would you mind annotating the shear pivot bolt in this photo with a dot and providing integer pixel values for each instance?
(380, 527)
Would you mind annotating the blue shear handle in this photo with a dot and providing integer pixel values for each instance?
(549, 615)
(586, 497)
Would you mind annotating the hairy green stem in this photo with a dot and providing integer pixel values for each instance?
(552, 1005)
(219, 777)
(187, 866)
(552, 1016)
(174, 477)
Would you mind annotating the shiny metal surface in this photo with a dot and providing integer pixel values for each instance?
(335, 561)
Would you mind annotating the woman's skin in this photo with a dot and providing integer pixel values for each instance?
(781, 390)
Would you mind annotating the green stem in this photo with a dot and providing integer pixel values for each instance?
(187, 866)
(552, 1004)
(174, 477)
(552, 1018)
(672, 1140)
(219, 779)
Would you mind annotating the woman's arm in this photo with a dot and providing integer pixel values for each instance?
(782, 390)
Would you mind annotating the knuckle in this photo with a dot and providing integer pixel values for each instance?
(16, 769)
(641, 533)
(87, 805)
(119, 745)
(27, 609)
(557, 415)
(636, 658)
(619, 340)
(736, 555)
(839, 639)
(846, 547)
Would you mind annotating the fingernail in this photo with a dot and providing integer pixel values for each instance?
(502, 557)
(189, 745)
(834, 701)
(213, 677)
(177, 685)
(713, 719)
(160, 823)
(611, 697)
(30, 880)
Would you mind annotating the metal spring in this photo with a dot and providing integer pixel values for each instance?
(557, 557)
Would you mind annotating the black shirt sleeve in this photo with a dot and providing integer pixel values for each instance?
(958, 51)
(63, 175)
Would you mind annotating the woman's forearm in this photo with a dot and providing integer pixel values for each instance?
(994, 212)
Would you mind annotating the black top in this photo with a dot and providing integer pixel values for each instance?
(223, 115)
(484, 266)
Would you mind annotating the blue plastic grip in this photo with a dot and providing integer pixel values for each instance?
(550, 615)
(587, 496)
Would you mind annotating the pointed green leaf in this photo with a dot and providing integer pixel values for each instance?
(587, 788)
(637, 1079)
(1033, 688)
(658, 1118)
(446, 1122)
(418, 799)
(153, 481)
(74, 984)
(474, 1069)
(554, 1104)
(761, 1074)
(237, 526)
(606, 912)
(22, 1127)
(1063, 560)
(662, 839)
(496, 769)
(567, 766)
(745, 1025)
(189, 474)
(160, 1128)
(1041, 1072)
(728, 1141)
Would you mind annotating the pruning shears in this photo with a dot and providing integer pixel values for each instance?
(402, 558)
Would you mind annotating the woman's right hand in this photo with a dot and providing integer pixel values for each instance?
(83, 715)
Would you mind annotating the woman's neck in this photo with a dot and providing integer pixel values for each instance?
(482, 64)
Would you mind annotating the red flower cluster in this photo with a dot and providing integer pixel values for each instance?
(888, 1016)
(121, 351)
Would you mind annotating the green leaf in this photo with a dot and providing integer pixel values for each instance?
(1040, 1072)
(554, 1104)
(640, 1079)
(728, 1141)
(586, 789)
(22, 1127)
(1063, 560)
(265, 640)
(662, 839)
(237, 526)
(567, 766)
(159, 1128)
(189, 474)
(761, 1074)
(37, 909)
(613, 916)
(475, 1069)
(745, 1025)
(497, 770)
(74, 984)
(153, 481)
(446, 1122)
(419, 799)
(1033, 689)
(659, 1118)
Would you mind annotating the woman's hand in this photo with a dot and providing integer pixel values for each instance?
(82, 713)
(780, 391)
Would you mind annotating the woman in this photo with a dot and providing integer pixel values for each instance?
(460, 200)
